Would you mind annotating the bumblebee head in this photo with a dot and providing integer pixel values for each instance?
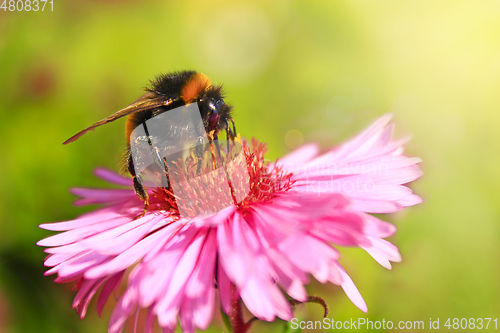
(197, 87)
(216, 114)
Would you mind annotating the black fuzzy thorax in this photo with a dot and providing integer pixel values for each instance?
(170, 85)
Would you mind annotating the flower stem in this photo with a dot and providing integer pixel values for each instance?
(236, 317)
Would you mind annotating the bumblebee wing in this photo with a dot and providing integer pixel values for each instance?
(142, 104)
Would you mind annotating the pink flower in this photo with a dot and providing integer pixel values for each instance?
(276, 238)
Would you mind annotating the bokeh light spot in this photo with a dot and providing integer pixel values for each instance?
(294, 138)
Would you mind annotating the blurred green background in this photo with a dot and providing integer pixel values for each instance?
(295, 71)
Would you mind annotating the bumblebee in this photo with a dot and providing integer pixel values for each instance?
(168, 92)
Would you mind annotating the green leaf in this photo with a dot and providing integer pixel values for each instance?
(226, 320)
(289, 329)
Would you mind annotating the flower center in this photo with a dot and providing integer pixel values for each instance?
(239, 176)
(265, 184)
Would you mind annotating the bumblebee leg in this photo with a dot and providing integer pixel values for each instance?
(218, 158)
(138, 185)
(199, 150)
(166, 174)
(234, 129)
(229, 135)
(142, 194)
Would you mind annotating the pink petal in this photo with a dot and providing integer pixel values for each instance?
(75, 235)
(77, 264)
(108, 288)
(158, 269)
(376, 227)
(204, 308)
(257, 299)
(224, 287)
(112, 177)
(382, 251)
(85, 293)
(362, 140)
(234, 262)
(150, 321)
(184, 268)
(410, 200)
(375, 206)
(298, 157)
(203, 274)
(186, 316)
(122, 310)
(350, 289)
(309, 254)
(281, 305)
(340, 227)
(288, 275)
(68, 250)
(216, 219)
(97, 196)
(149, 244)
(118, 239)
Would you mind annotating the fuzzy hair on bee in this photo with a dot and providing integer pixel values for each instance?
(167, 92)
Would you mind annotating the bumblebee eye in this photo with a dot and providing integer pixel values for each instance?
(219, 103)
(215, 105)
(212, 105)
(214, 115)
